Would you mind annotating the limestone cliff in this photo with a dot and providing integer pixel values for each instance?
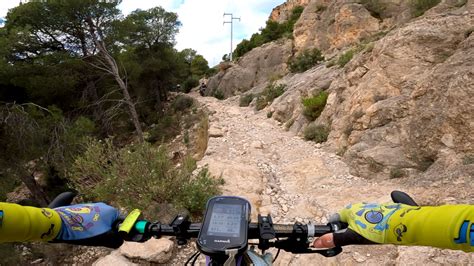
(283, 11)
(403, 105)
(255, 68)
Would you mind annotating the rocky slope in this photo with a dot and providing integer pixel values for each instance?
(403, 104)
(295, 180)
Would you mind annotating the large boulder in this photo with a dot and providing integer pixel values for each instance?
(153, 251)
(333, 25)
(253, 69)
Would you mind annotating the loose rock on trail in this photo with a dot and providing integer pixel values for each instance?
(296, 180)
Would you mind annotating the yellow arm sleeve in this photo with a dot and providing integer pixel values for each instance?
(24, 224)
(448, 226)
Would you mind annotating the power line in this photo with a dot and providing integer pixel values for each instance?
(231, 22)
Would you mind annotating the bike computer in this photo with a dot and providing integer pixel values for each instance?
(225, 225)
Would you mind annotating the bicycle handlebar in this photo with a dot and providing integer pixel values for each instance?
(294, 238)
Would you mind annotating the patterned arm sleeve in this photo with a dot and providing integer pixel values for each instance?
(26, 224)
(447, 226)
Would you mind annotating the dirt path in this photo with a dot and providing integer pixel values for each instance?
(295, 180)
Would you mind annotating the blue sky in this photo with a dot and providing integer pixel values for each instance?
(202, 20)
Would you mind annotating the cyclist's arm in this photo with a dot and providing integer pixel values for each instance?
(24, 224)
(448, 226)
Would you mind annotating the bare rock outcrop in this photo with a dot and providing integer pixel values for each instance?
(409, 98)
(404, 101)
(255, 68)
(282, 12)
(287, 109)
(333, 25)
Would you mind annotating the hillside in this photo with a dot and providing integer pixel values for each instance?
(297, 180)
(399, 111)
(399, 79)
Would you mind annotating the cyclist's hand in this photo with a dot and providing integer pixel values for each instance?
(367, 224)
(89, 224)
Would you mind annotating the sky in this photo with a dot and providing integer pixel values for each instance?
(202, 21)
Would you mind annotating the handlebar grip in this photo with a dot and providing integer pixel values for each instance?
(63, 199)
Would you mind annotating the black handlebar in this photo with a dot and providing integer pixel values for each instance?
(295, 238)
(281, 230)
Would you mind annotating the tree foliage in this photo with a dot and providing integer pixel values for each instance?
(272, 31)
(71, 61)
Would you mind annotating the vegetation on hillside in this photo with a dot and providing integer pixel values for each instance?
(314, 105)
(272, 31)
(316, 133)
(78, 73)
(305, 60)
(263, 99)
(419, 7)
(137, 175)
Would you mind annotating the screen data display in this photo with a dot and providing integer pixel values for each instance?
(225, 220)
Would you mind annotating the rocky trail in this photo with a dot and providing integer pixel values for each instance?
(296, 180)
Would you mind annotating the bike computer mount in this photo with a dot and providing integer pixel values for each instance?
(225, 226)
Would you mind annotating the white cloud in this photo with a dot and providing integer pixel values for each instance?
(202, 20)
(5, 5)
(203, 28)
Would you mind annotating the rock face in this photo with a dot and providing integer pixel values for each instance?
(253, 69)
(409, 98)
(332, 25)
(282, 12)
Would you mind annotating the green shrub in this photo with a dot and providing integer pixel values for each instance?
(195, 194)
(468, 32)
(419, 7)
(305, 60)
(7, 184)
(397, 173)
(374, 166)
(269, 114)
(246, 99)
(260, 103)
(341, 151)
(272, 92)
(166, 128)
(460, 3)
(468, 159)
(272, 31)
(182, 103)
(189, 83)
(321, 8)
(289, 123)
(345, 58)
(331, 63)
(314, 106)
(425, 162)
(375, 7)
(186, 140)
(139, 174)
(316, 133)
(219, 94)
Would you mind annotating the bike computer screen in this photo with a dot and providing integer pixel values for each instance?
(225, 225)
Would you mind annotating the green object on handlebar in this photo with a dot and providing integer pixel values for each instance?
(130, 221)
(140, 226)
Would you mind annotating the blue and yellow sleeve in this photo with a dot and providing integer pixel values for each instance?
(447, 226)
(26, 224)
